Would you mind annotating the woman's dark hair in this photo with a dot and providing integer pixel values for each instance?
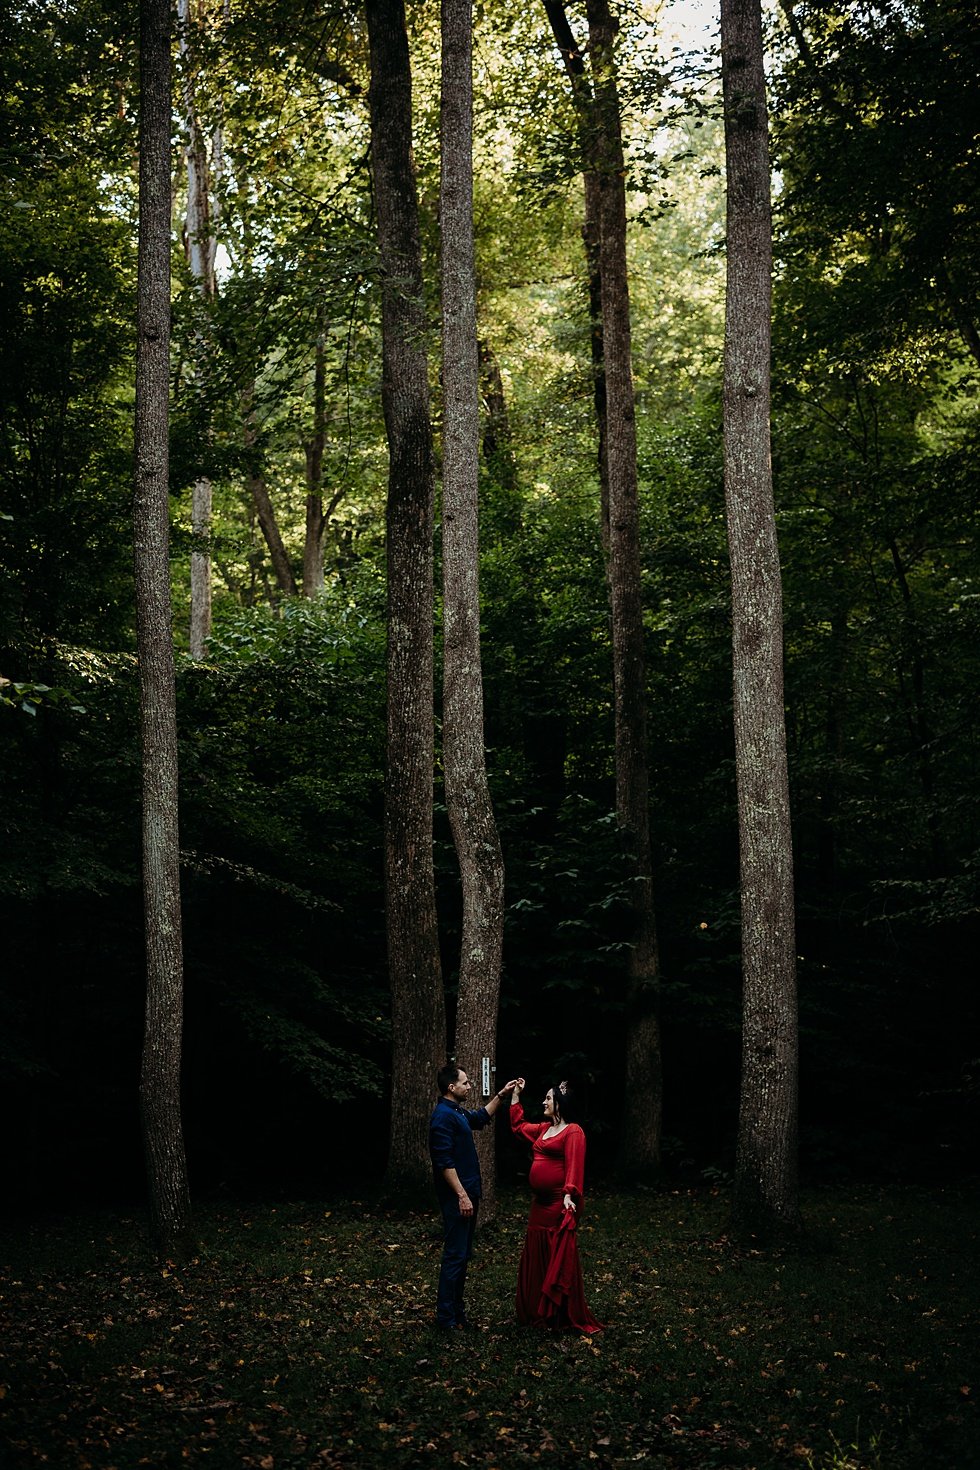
(445, 1077)
(565, 1100)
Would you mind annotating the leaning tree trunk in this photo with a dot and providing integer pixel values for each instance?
(639, 1152)
(200, 246)
(262, 500)
(464, 759)
(417, 1001)
(765, 1183)
(160, 1077)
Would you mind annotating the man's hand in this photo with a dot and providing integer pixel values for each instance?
(465, 1205)
(517, 1082)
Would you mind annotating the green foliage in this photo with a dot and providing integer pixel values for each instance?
(280, 822)
(281, 766)
(65, 278)
(27, 697)
(67, 80)
(880, 159)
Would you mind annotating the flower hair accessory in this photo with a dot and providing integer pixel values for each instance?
(563, 1088)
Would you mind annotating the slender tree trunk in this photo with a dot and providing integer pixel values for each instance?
(639, 1153)
(543, 726)
(160, 1076)
(200, 624)
(262, 501)
(497, 444)
(590, 142)
(766, 1196)
(604, 236)
(464, 759)
(200, 245)
(592, 240)
(417, 1001)
(269, 526)
(315, 519)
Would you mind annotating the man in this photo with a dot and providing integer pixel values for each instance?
(456, 1171)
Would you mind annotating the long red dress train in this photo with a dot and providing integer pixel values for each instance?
(550, 1291)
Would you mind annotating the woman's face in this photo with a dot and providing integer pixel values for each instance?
(549, 1103)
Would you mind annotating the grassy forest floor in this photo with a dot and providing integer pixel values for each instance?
(300, 1335)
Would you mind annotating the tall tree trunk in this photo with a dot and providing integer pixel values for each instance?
(592, 240)
(315, 519)
(604, 236)
(589, 139)
(766, 1197)
(464, 759)
(417, 1001)
(200, 245)
(160, 1076)
(639, 1152)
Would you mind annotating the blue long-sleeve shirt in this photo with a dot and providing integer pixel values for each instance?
(451, 1145)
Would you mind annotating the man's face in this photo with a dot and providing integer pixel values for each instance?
(459, 1088)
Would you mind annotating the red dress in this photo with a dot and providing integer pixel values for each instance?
(549, 1280)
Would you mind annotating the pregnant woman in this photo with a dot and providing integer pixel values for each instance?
(549, 1281)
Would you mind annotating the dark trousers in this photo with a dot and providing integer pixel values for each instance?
(456, 1251)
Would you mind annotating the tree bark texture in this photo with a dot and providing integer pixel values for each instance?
(160, 1075)
(590, 141)
(417, 1001)
(639, 1152)
(464, 759)
(200, 244)
(766, 1185)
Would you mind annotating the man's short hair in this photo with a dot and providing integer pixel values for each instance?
(446, 1076)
